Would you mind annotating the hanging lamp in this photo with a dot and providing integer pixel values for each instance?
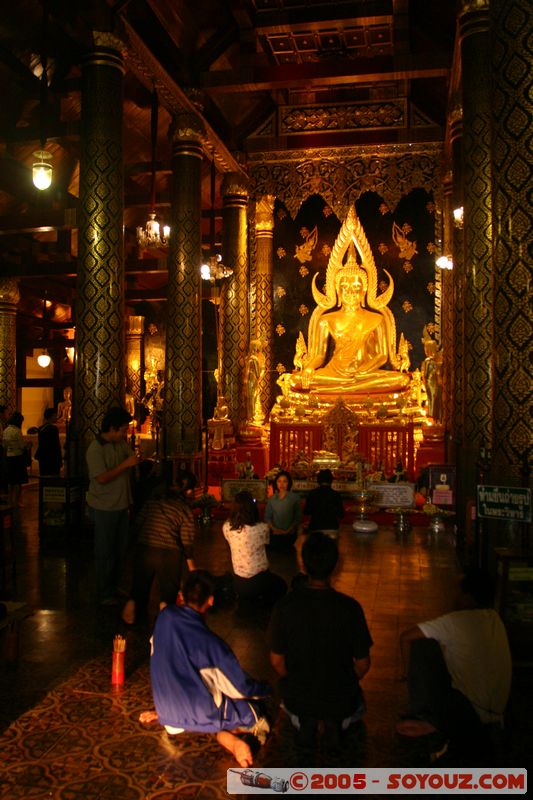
(153, 235)
(44, 358)
(42, 171)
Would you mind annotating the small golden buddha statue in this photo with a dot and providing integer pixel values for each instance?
(64, 407)
(431, 371)
(255, 369)
(358, 321)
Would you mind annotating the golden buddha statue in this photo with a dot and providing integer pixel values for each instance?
(431, 371)
(358, 321)
(255, 369)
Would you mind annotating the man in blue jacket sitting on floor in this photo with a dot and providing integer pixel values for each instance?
(197, 681)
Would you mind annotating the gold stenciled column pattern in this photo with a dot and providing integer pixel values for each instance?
(100, 346)
(458, 278)
(478, 293)
(447, 308)
(134, 337)
(512, 110)
(264, 230)
(182, 413)
(9, 298)
(234, 300)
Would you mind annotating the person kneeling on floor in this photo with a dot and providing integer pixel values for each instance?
(459, 672)
(197, 681)
(320, 646)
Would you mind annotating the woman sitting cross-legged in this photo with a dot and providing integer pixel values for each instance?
(247, 538)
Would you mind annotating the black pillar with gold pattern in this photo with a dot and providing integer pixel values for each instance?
(447, 308)
(512, 110)
(9, 297)
(134, 356)
(182, 414)
(457, 375)
(234, 303)
(478, 289)
(264, 231)
(100, 341)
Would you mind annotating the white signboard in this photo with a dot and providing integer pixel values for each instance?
(390, 495)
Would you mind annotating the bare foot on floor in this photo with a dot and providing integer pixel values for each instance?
(237, 747)
(147, 716)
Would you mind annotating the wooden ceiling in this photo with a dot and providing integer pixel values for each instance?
(265, 74)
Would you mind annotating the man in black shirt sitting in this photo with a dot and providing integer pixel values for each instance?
(320, 646)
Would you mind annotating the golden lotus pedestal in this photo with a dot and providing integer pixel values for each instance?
(363, 506)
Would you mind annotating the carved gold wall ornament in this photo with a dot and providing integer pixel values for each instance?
(341, 175)
(234, 184)
(342, 117)
(185, 126)
(9, 297)
(9, 293)
(264, 214)
(107, 40)
(467, 6)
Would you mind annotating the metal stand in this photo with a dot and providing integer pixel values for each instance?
(363, 507)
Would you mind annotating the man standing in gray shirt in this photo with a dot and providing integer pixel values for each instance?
(109, 460)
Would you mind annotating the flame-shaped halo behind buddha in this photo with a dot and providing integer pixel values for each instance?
(352, 237)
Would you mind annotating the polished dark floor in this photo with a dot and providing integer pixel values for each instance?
(67, 735)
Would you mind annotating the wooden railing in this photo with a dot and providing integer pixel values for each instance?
(378, 443)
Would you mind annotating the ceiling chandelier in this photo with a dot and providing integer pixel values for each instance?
(213, 269)
(153, 235)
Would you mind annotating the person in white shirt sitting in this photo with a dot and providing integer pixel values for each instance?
(459, 669)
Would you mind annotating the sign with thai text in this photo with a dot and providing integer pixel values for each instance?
(392, 494)
(504, 502)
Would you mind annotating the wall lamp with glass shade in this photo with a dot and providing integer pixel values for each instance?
(458, 214)
(444, 262)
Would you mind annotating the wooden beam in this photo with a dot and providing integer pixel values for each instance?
(39, 221)
(326, 140)
(329, 14)
(144, 295)
(327, 73)
(56, 131)
(145, 66)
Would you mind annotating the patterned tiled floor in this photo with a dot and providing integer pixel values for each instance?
(79, 739)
